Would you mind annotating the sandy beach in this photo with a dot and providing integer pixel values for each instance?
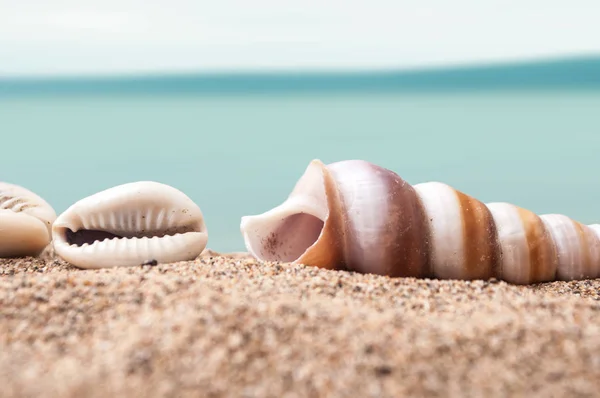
(229, 326)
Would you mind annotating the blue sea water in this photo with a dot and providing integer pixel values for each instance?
(239, 152)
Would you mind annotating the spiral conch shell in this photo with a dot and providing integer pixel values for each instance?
(25, 222)
(129, 225)
(358, 216)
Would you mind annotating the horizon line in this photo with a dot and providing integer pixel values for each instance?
(302, 72)
(579, 73)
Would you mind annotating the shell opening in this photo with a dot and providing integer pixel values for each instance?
(90, 236)
(287, 239)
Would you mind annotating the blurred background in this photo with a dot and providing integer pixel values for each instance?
(229, 100)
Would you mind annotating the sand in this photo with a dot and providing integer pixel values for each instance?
(233, 327)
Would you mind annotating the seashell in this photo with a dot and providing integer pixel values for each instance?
(25, 222)
(131, 224)
(357, 216)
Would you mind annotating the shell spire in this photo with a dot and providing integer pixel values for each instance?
(355, 215)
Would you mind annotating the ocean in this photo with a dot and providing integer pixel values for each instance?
(240, 152)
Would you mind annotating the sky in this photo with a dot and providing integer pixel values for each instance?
(80, 37)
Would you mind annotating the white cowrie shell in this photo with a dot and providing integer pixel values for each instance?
(129, 225)
(25, 222)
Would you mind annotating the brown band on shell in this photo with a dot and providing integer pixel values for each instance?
(543, 257)
(405, 244)
(328, 251)
(588, 239)
(480, 240)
